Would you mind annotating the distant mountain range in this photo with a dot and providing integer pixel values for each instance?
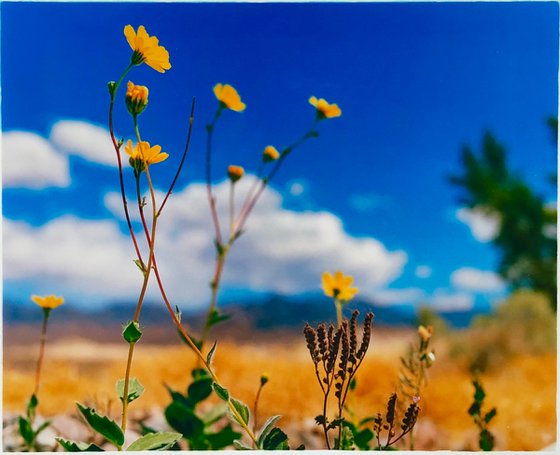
(267, 313)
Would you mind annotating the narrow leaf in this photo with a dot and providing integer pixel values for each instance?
(266, 428)
(243, 411)
(73, 446)
(25, 430)
(241, 445)
(211, 353)
(135, 389)
(276, 440)
(103, 425)
(155, 441)
(222, 392)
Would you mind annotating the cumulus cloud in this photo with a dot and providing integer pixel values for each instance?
(398, 296)
(443, 300)
(476, 280)
(30, 161)
(91, 142)
(281, 251)
(423, 271)
(484, 226)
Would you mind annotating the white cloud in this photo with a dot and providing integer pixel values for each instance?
(84, 139)
(476, 280)
(398, 296)
(444, 301)
(423, 271)
(281, 251)
(484, 226)
(29, 161)
(70, 255)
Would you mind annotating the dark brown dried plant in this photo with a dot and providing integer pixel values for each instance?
(390, 422)
(336, 356)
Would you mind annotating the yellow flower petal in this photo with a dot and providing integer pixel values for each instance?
(147, 49)
(48, 302)
(324, 109)
(339, 286)
(229, 97)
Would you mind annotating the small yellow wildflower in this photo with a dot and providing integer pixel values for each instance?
(142, 154)
(235, 173)
(229, 97)
(147, 49)
(48, 302)
(324, 109)
(270, 154)
(425, 333)
(136, 98)
(339, 286)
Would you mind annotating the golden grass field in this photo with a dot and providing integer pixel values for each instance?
(524, 390)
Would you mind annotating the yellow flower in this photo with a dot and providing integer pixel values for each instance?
(142, 154)
(270, 154)
(136, 98)
(425, 333)
(324, 109)
(235, 173)
(339, 286)
(229, 97)
(147, 49)
(48, 302)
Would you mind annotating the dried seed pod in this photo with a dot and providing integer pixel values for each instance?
(391, 405)
(334, 351)
(410, 417)
(366, 337)
(353, 327)
(322, 340)
(311, 340)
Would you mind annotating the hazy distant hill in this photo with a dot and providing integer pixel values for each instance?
(268, 313)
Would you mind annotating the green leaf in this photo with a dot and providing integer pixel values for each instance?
(179, 397)
(215, 413)
(276, 440)
(155, 441)
(479, 392)
(241, 445)
(353, 384)
(131, 332)
(73, 446)
(42, 427)
(486, 441)
(103, 425)
(267, 428)
(243, 411)
(135, 389)
(474, 410)
(211, 353)
(197, 343)
(183, 419)
(31, 407)
(26, 431)
(222, 392)
(363, 438)
(200, 389)
(223, 438)
(216, 317)
(139, 264)
(490, 415)
(347, 439)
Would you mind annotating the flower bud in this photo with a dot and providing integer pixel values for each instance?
(235, 173)
(270, 154)
(425, 333)
(264, 379)
(136, 98)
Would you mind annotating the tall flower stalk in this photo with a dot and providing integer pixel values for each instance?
(146, 49)
(270, 163)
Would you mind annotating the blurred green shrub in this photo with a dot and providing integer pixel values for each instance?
(525, 323)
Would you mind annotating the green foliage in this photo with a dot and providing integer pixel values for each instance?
(73, 446)
(135, 389)
(528, 251)
(155, 441)
(222, 392)
(523, 324)
(481, 419)
(25, 426)
(181, 414)
(103, 425)
(276, 439)
(131, 332)
(243, 411)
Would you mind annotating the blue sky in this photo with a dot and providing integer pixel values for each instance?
(415, 83)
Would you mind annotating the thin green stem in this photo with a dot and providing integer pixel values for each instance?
(41, 351)
(338, 307)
